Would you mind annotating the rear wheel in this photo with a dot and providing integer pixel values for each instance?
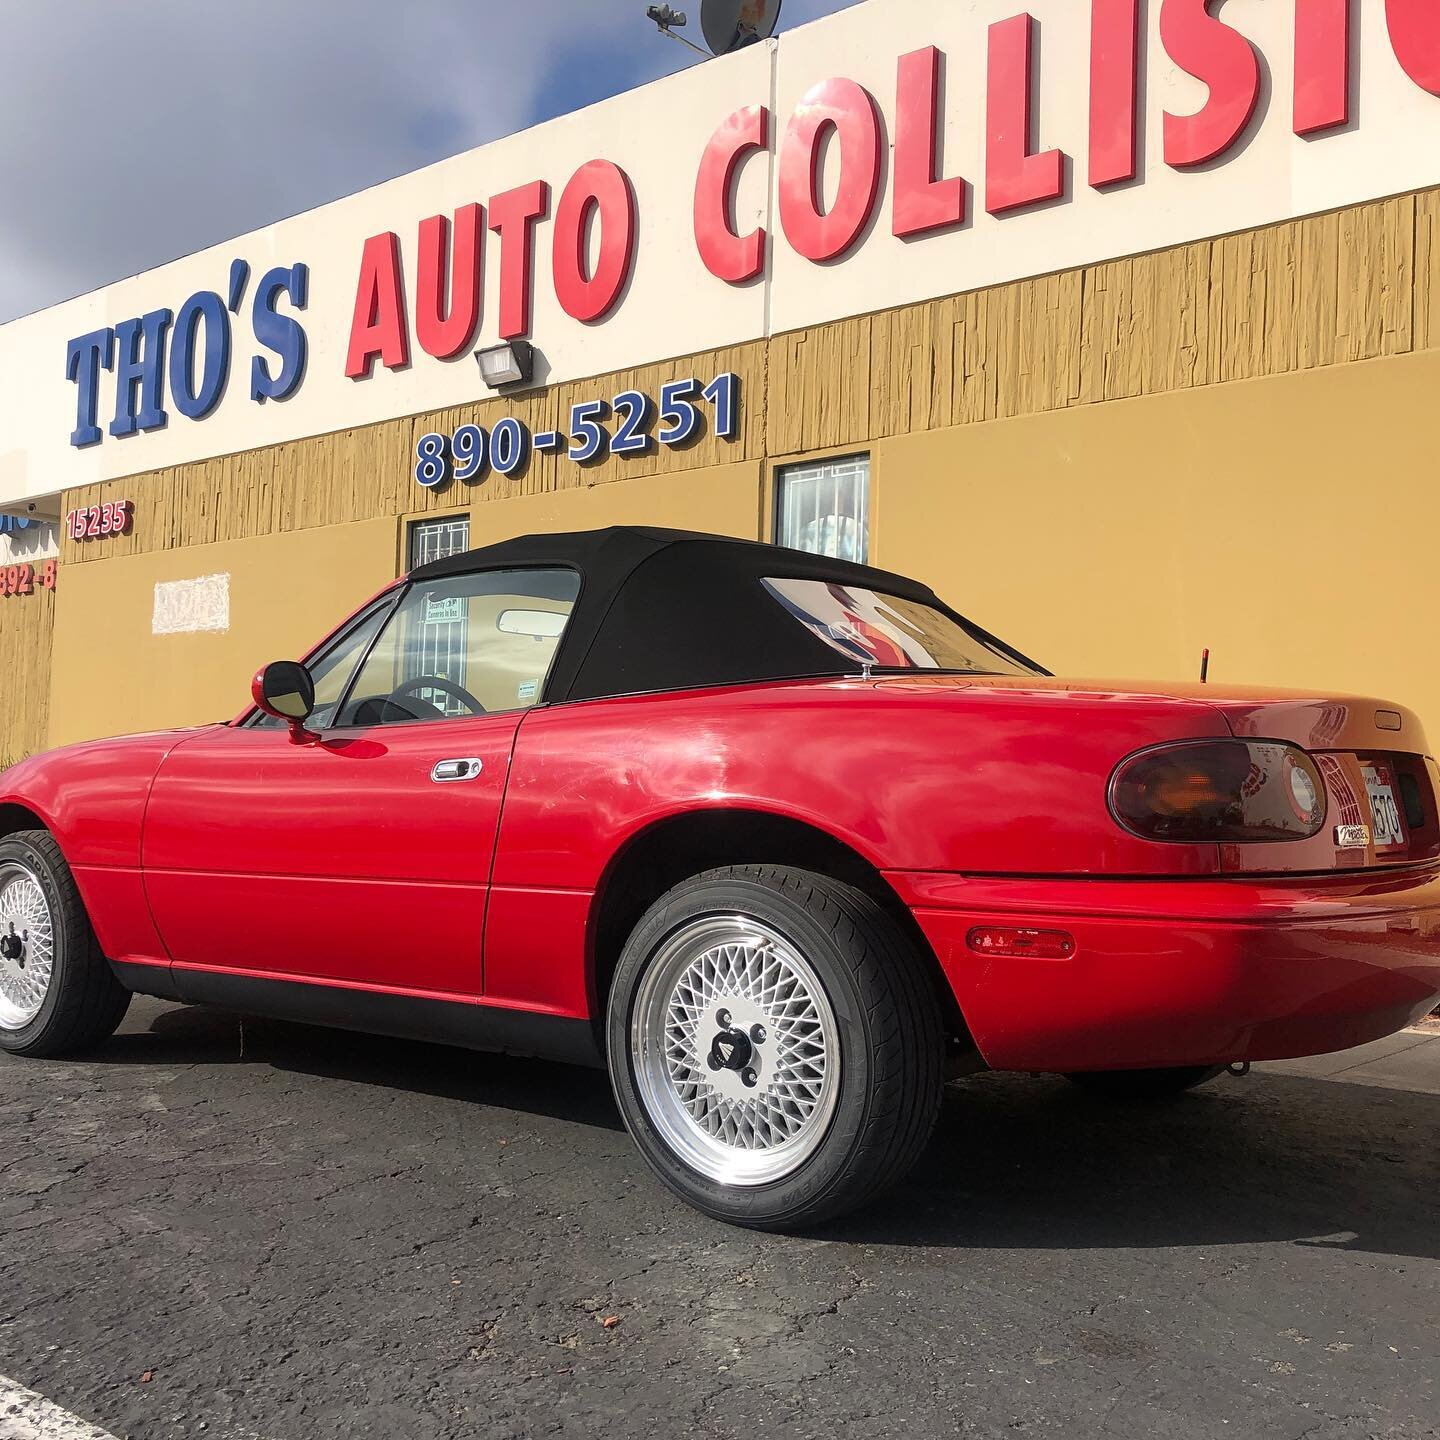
(1144, 1084)
(775, 1046)
(58, 994)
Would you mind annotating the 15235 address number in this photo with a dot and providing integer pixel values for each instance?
(93, 522)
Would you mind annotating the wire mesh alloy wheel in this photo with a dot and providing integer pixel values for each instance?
(736, 1051)
(27, 946)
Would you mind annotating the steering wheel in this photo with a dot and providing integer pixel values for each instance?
(446, 687)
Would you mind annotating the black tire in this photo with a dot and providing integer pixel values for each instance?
(889, 1035)
(1144, 1084)
(84, 1001)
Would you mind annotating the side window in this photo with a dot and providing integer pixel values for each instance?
(825, 508)
(437, 539)
(474, 644)
(332, 669)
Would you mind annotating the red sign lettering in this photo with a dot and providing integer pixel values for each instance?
(849, 111)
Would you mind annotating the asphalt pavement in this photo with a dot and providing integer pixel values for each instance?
(261, 1231)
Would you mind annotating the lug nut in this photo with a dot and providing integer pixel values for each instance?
(750, 1078)
(723, 1019)
(712, 1062)
(757, 1034)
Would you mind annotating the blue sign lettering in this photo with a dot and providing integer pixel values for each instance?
(85, 357)
(140, 373)
(189, 355)
(279, 333)
(192, 400)
(470, 452)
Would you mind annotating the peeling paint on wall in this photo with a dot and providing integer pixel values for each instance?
(187, 607)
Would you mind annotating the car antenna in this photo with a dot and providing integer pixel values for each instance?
(1205, 666)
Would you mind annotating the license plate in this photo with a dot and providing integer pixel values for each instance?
(1385, 813)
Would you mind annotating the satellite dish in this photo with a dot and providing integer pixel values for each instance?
(734, 24)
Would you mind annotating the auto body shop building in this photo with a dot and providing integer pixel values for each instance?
(1117, 321)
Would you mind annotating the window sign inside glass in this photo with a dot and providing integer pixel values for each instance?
(444, 611)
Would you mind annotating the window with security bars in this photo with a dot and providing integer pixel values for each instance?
(435, 539)
(824, 507)
(444, 627)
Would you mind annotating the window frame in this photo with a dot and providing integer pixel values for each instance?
(781, 470)
(543, 701)
(382, 605)
(415, 525)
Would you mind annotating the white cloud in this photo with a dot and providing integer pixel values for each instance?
(133, 131)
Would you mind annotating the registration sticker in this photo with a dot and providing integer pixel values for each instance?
(1384, 812)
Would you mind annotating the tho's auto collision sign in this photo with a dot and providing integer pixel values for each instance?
(896, 152)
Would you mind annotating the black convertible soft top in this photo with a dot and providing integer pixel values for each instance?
(677, 609)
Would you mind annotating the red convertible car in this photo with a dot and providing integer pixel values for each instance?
(775, 837)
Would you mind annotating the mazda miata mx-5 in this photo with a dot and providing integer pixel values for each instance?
(778, 839)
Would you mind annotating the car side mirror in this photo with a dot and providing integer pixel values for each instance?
(286, 690)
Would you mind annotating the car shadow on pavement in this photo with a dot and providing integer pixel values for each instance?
(194, 1035)
(1018, 1162)
(1028, 1162)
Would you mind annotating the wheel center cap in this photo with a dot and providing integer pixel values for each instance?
(730, 1050)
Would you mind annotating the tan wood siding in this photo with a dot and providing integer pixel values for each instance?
(367, 474)
(1353, 285)
(27, 627)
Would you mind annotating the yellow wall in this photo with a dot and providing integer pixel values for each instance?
(289, 589)
(1285, 523)
(724, 501)
(113, 675)
(1221, 444)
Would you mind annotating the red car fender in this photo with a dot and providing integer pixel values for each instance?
(941, 777)
(92, 798)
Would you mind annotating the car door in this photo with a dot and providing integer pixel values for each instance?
(362, 857)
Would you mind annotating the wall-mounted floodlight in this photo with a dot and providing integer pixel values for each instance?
(512, 363)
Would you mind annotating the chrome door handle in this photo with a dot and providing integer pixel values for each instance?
(447, 772)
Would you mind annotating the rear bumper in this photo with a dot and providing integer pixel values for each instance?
(1199, 972)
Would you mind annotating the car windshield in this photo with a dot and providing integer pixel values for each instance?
(887, 632)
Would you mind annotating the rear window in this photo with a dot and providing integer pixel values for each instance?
(888, 632)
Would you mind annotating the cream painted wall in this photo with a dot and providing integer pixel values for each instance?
(111, 674)
(674, 306)
(1286, 523)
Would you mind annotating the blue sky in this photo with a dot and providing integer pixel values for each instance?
(133, 131)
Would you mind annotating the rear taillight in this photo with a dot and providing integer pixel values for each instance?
(1219, 792)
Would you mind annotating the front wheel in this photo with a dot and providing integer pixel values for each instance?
(58, 994)
(1144, 1084)
(775, 1046)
